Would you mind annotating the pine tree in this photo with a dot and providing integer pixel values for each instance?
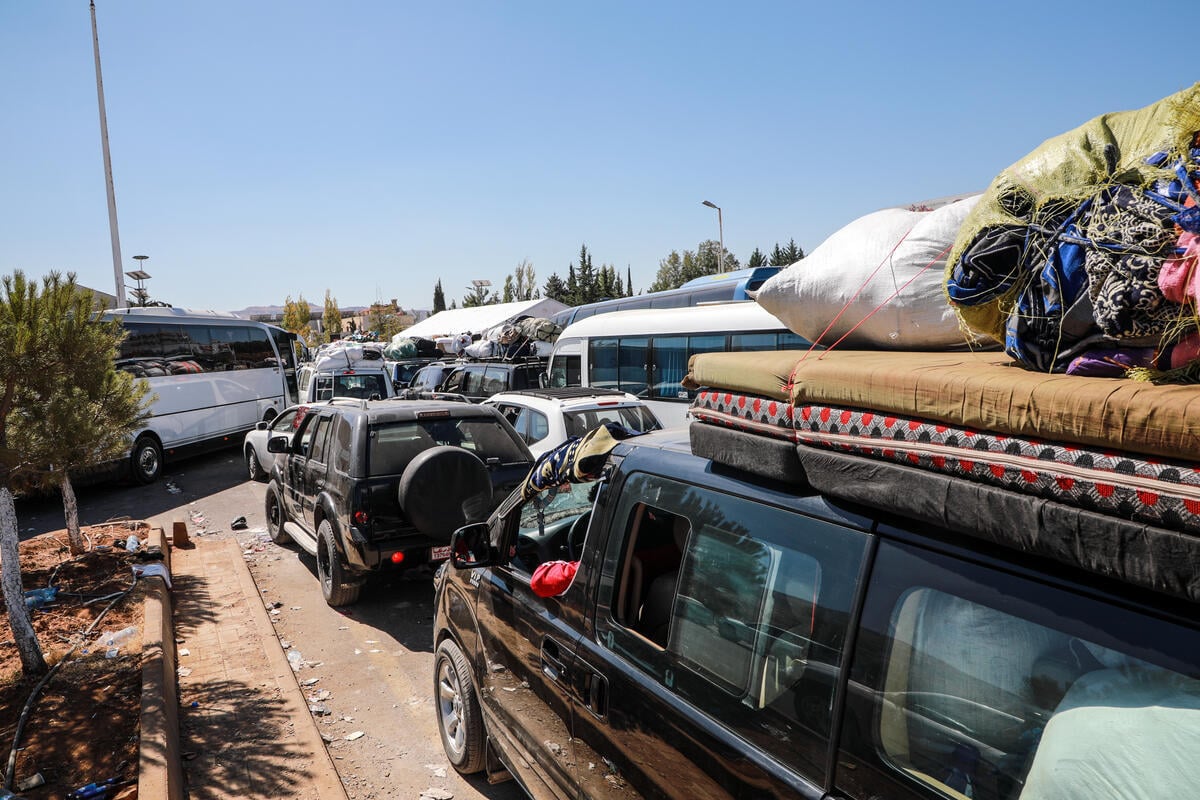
(555, 289)
(586, 278)
(439, 298)
(757, 259)
(628, 281)
(510, 291)
(792, 252)
(572, 298)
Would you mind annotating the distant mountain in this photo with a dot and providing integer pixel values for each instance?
(276, 311)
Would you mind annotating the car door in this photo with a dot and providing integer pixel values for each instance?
(528, 656)
(316, 468)
(717, 645)
(297, 461)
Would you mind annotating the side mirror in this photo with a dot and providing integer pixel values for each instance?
(277, 444)
(260, 426)
(470, 547)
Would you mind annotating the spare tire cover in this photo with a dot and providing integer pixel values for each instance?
(444, 488)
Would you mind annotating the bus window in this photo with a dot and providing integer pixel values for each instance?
(670, 365)
(753, 341)
(793, 341)
(565, 371)
(632, 362)
(602, 358)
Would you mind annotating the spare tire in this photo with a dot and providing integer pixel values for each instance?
(444, 488)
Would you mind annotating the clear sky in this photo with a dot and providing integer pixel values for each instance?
(262, 149)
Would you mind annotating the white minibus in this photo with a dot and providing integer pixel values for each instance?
(646, 352)
(212, 377)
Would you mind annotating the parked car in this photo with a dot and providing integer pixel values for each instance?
(368, 486)
(254, 447)
(732, 635)
(403, 371)
(479, 380)
(428, 378)
(364, 380)
(545, 418)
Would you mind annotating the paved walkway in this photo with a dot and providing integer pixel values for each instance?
(245, 728)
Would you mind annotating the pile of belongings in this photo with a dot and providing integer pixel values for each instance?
(1082, 257)
(402, 346)
(525, 337)
(345, 355)
(875, 284)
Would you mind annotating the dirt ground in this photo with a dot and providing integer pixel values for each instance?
(83, 727)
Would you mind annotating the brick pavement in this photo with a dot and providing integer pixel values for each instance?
(245, 728)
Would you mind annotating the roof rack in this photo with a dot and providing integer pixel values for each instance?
(568, 392)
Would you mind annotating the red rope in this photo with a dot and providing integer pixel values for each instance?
(889, 299)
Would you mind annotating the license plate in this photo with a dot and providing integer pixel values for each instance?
(439, 553)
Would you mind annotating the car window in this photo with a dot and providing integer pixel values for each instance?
(319, 437)
(340, 442)
(361, 386)
(392, 445)
(455, 381)
(493, 381)
(739, 608)
(308, 426)
(323, 388)
(539, 426)
(637, 418)
(472, 381)
(284, 423)
(971, 682)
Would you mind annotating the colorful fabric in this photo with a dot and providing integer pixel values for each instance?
(1157, 491)
(577, 460)
(1064, 253)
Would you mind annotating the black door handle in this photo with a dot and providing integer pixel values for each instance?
(552, 665)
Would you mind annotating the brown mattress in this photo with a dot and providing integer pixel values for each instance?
(986, 391)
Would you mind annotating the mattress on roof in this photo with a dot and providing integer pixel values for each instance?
(974, 391)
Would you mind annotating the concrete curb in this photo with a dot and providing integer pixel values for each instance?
(160, 771)
(324, 783)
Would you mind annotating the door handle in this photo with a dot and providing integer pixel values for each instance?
(597, 694)
(552, 665)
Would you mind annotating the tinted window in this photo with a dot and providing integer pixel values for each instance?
(738, 607)
(340, 441)
(971, 682)
(361, 386)
(494, 379)
(319, 438)
(391, 446)
(632, 357)
(602, 363)
(566, 371)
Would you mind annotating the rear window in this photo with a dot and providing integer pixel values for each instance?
(392, 446)
(360, 386)
(636, 418)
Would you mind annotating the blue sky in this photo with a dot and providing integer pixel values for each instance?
(370, 148)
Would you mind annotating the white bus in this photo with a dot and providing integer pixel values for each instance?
(646, 352)
(212, 377)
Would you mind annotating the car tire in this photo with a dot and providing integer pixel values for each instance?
(336, 590)
(276, 515)
(253, 468)
(460, 720)
(146, 460)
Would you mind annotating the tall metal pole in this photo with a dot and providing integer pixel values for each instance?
(108, 178)
(720, 232)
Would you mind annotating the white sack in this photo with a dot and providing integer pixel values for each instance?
(348, 355)
(808, 295)
(484, 348)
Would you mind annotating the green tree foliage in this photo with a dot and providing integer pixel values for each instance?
(60, 399)
(89, 413)
(510, 291)
(628, 281)
(573, 294)
(783, 256)
(439, 298)
(296, 316)
(479, 296)
(585, 279)
(757, 259)
(525, 281)
(676, 269)
(332, 319)
(555, 289)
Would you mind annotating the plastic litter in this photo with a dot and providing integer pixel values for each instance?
(36, 598)
(295, 659)
(133, 543)
(93, 791)
(112, 641)
(32, 782)
(238, 524)
(157, 569)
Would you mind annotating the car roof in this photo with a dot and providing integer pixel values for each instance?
(397, 410)
(567, 393)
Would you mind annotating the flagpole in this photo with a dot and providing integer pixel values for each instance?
(108, 177)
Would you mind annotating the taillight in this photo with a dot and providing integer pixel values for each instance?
(359, 517)
(397, 557)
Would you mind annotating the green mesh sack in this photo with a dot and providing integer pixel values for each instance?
(1066, 170)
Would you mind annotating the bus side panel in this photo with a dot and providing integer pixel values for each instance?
(192, 408)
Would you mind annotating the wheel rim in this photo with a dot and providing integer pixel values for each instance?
(148, 461)
(323, 559)
(450, 708)
(251, 464)
(272, 511)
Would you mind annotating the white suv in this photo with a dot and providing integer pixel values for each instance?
(364, 380)
(546, 418)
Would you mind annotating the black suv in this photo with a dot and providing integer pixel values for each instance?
(372, 485)
(479, 380)
(730, 634)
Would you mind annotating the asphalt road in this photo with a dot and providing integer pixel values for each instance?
(375, 659)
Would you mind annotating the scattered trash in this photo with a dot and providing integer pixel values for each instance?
(172, 488)
(285, 644)
(97, 790)
(156, 569)
(350, 737)
(434, 793)
(36, 598)
(322, 695)
(318, 709)
(111, 641)
(438, 770)
(183, 672)
(183, 651)
(309, 682)
(295, 659)
(32, 782)
(325, 737)
(238, 524)
(133, 543)
(194, 704)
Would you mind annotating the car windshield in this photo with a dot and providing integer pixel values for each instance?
(363, 387)
(392, 445)
(569, 500)
(636, 418)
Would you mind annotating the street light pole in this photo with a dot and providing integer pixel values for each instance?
(720, 232)
(108, 178)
